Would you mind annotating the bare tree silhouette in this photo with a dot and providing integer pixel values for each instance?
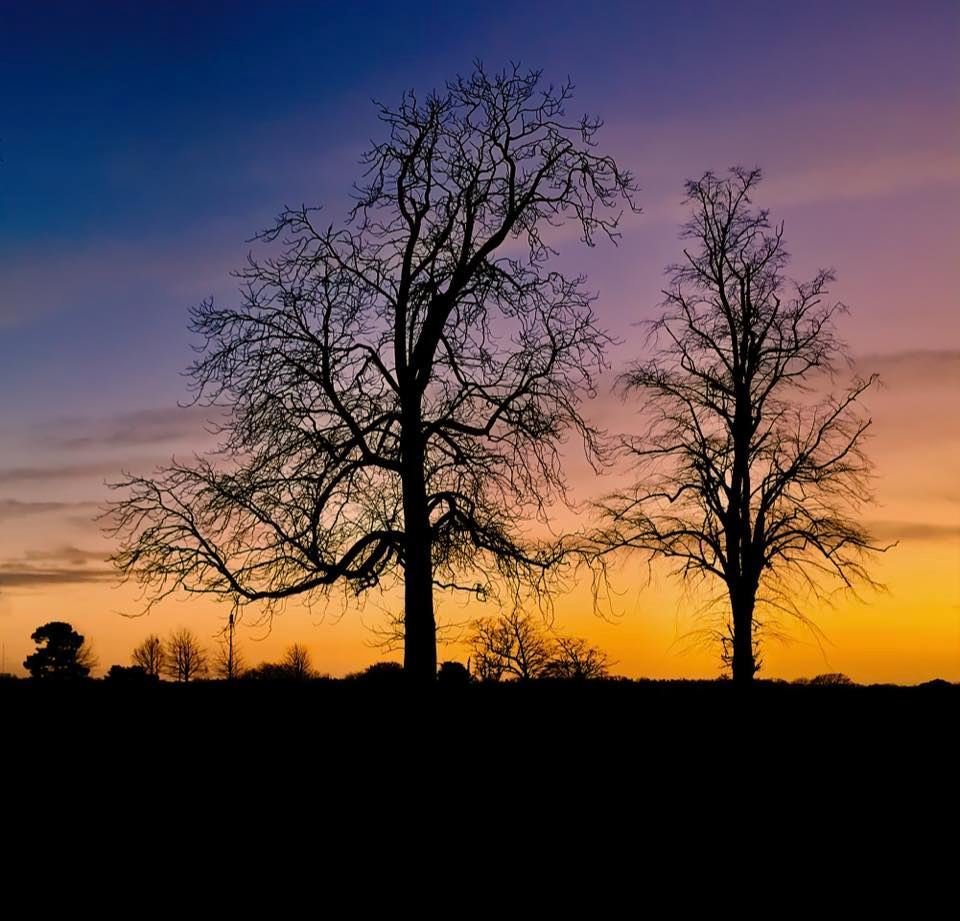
(151, 656)
(398, 387)
(574, 659)
(228, 660)
(186, 659)
(513, 644)
(229, 663)
(297, 662)
(746, 475)
(517, 645)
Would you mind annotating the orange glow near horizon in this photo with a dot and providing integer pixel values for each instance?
(908, 633)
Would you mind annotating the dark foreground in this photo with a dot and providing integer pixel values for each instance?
(576, 767)
(339, 721)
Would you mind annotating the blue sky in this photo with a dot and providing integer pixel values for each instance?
(144, 143)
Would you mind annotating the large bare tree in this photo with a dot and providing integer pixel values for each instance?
(398, 387)
(749, 473)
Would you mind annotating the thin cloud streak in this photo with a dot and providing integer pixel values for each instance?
(912, 530)
(72, 471)
(917, 367)
(11, 509)
(859, 180)
(65, 564)
(67, 553)
(17, 575)
(136, 428)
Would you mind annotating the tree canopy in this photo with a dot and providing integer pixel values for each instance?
(62, 653)
(397, 387)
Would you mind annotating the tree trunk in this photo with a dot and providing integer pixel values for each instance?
(420, 630)
(744, 667)
(739, 547)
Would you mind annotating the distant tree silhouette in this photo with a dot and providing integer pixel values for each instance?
(267, 671)
(62, 653)
(129, 675)
(574, 659)
(832, 679)
(746, 476)
(380, 673)
(186, 659)
(151, 656)
(517, 645)
(297, 662)
(398, 387)
(228, 660)
(513, 644)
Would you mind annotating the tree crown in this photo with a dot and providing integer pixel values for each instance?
(749, 471)
(62, 653)
(428, 329)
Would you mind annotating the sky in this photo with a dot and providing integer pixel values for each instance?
(143, 145)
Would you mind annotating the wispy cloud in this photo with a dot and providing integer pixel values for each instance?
(912, 530)
(60, 565)
(858, 179)
(15, 508)
(18, 575)
(38, 284)
(66, 553)
(176, 424)
(99, 470)
(918, 367)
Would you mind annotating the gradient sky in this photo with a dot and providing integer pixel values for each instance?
(142, 144)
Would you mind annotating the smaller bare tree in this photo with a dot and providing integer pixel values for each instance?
(509, 645)
(228, 661)
(516, 645)
(151, 656)
(574, 659)
(297, 662)
(186, 659)
(749, 477)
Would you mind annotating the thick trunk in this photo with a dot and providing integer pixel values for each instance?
(420, 630)
(739, 538)
(744, 666)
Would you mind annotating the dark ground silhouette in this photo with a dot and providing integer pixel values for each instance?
(595, 718)
(542, 767)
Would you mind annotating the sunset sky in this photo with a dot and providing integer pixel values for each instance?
(143, 144)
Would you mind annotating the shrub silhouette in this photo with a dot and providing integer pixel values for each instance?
(832, 679)
(453, 674)
(130, 675)
(380, 673)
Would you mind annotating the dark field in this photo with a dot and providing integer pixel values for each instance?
(344, 719)
(571, 766)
